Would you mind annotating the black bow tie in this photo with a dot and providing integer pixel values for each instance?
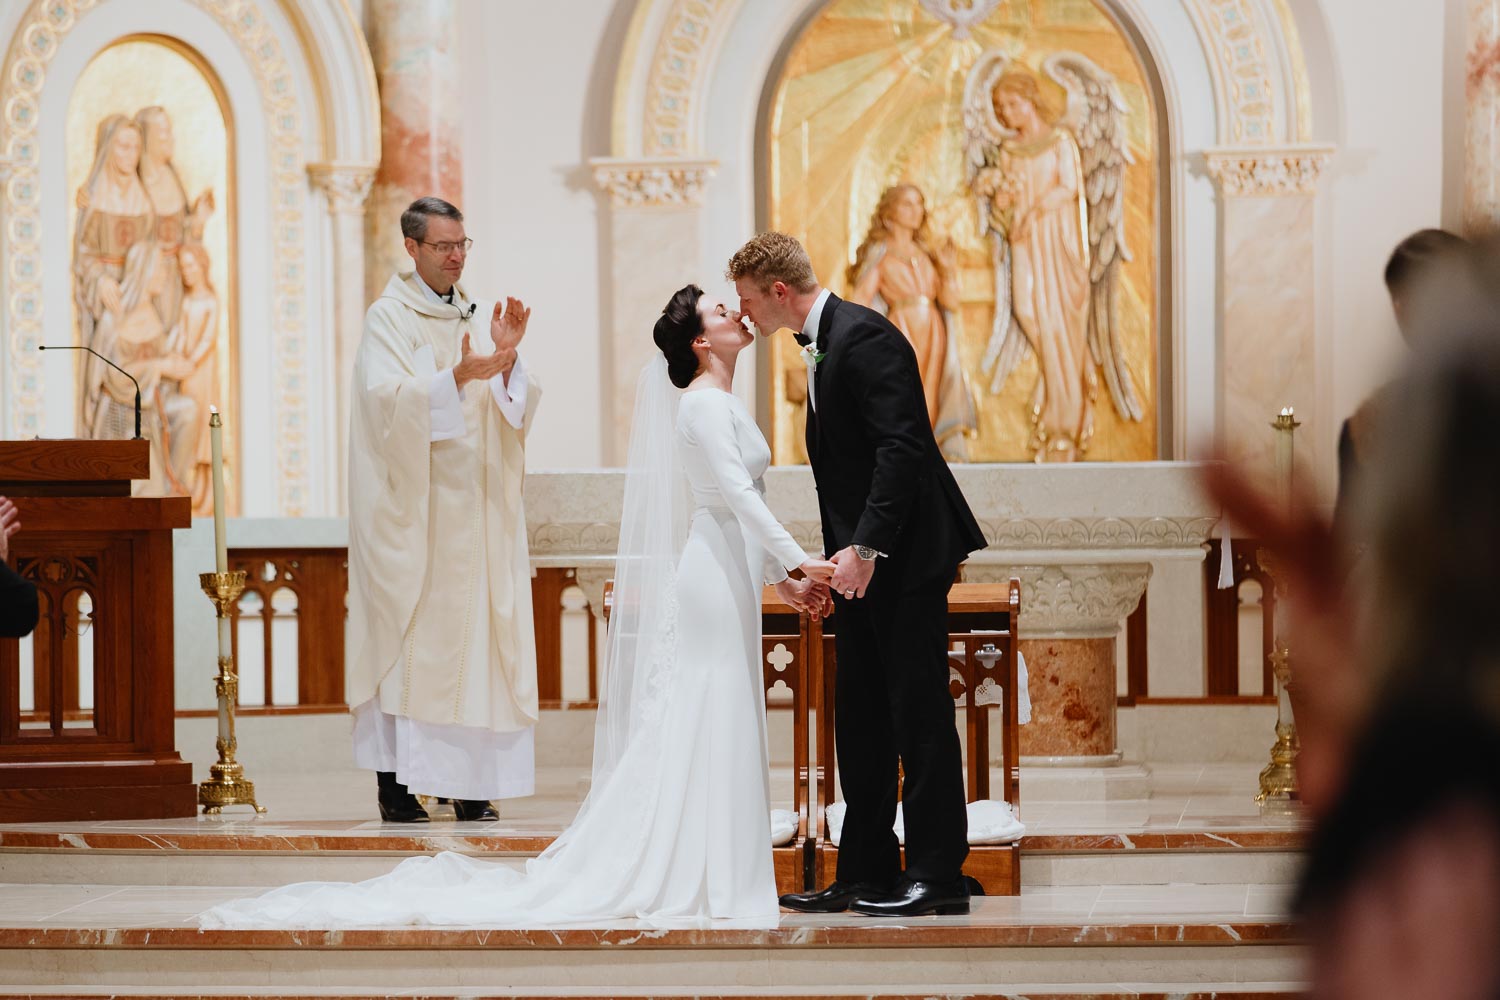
(802, 338)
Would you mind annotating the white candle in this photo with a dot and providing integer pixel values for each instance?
(1286, 426)
(216, 436)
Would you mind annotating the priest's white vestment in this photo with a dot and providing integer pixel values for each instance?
(441, 661)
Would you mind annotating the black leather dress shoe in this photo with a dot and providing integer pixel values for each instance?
(397, 803)
(469, 810)
(918, 899)
(834, 899)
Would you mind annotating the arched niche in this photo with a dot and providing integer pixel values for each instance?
(300, 89)
(1243, 120)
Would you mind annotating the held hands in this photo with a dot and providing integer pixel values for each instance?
(852, 576)
(807, 595)
(817, 570)
(10, 523)
(473, 367)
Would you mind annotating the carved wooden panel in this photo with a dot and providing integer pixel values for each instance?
(319, 581)
(82, 589)
(1223, 618)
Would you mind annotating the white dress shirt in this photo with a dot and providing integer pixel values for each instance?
(810, 331)
(444, 396)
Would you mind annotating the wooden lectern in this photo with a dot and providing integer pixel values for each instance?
(102, 564)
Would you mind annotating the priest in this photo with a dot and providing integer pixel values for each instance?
(441, 663)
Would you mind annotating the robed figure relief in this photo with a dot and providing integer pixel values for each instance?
(1049, 182)
(144, 300)
(899, 272)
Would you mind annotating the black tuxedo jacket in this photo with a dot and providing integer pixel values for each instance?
(882, 482)
(18, 606)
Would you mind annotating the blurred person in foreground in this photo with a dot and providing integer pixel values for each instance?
(18, 603)
(1396, 672)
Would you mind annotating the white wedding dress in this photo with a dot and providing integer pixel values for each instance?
(676, 827)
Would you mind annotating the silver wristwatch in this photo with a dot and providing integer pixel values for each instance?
(865, 552)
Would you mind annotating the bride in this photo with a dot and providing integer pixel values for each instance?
(676, 825)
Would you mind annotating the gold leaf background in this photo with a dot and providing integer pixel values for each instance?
(872, 95)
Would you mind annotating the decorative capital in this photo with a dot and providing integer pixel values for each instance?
(1268, 171)
(346, 185)
(591, 580)
(1071, 601)
(663, 183)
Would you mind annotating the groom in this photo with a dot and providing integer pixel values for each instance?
(898, 527)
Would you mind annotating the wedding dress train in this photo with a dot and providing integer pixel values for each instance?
(676, 827)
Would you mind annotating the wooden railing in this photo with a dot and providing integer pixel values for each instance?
(288, 632)
(1251, 601)
(1252, 590)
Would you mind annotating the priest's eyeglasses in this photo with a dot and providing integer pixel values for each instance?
(445, 248)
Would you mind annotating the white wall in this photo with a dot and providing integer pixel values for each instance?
(1386, 180)
(538, 108)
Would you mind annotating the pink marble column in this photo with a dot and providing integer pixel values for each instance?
(1482, 118)
(1070, 618)
(414, 45)
(1072, 699)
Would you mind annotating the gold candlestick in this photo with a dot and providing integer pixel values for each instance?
(1278, 780)
(226, 785)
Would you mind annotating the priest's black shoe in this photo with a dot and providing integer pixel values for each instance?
(397, 804)
(834, 899)
(474, 809)
(917, 899)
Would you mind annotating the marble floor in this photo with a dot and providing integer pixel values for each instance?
(1181, 799)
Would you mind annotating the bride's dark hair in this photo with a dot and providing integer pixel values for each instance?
(674, 333)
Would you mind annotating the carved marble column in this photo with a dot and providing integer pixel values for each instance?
(1268, 305)
(1071, 616)
(591, 580)
(345, 186)
(414, 45)
(1482, 118)
(655, 225)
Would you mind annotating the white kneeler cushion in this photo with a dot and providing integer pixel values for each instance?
(783, 827)
(990, 822)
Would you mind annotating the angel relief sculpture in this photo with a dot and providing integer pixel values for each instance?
(1049, 182)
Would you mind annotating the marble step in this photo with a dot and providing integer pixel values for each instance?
(1017, 991)
(1072, 941)
(260, 853)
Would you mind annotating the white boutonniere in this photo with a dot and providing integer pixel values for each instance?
(811, 356)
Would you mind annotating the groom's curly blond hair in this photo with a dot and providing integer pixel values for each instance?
(772, 257)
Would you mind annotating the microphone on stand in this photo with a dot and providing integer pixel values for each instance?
(80, 347)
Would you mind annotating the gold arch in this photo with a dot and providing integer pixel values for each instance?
(651, 58)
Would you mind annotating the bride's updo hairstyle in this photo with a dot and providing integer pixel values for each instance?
(675, 331)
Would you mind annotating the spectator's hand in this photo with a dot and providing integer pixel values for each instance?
(1423, 920)
(10, 523)
(1328, 689)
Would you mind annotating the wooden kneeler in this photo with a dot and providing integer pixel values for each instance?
(982, 627)
(786, 653)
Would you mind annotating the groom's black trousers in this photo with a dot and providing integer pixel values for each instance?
(892, 703)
